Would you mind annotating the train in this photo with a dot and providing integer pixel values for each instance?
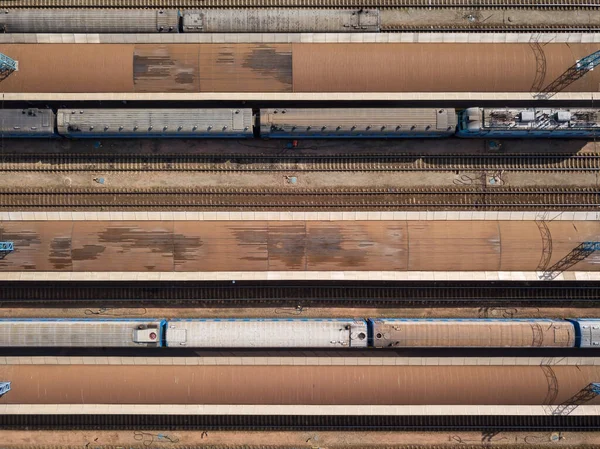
(235, 20)
(301, 333)
(300, 123)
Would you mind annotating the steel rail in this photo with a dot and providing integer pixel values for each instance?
(489, 297)
(495, 4)
(291, 198)
(259, 163)
(287, 422)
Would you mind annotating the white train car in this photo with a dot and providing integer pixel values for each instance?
(82, 333)
(267, 333)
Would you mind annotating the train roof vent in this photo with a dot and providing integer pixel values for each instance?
(563, 116)
(441, 119)
(176, 336)
(527, 116)
(145, 335)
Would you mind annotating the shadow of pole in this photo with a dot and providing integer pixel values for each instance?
(572, 74)
(577, 254)
(585, 395)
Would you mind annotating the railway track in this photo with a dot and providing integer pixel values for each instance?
(295, 423)
(532, 4)
(245, 163)
(490, 297)
(453, 198)
(484, 28)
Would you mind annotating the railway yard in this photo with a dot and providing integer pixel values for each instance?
(268, 224)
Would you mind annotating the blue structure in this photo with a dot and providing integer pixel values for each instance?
(591, 246)
(579, 253)
(572, 74)
(589, 62)
(7, 64)
(583, 396)
(7, 246)
(4, 387)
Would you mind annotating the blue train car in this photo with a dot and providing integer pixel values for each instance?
(529, 122)
(587, 332)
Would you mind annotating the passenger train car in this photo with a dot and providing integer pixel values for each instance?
(300, 123)
(357, 123)
(181, 123)
(301, 333)
(246, 20)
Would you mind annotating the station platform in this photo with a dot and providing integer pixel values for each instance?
(292, 410)
(266, 388)
(330, 38)
(295, 249)
(339, 358)
(297, 71)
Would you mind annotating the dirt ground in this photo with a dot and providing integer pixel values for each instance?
(302, 312)
(281, 179)
(174, 439)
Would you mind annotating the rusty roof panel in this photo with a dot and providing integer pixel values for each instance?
(165, 68)
(123, 246)
(287, 245)
(357, 245)
(206, 246)
(302, 385)
(39, 246)
(246, 68)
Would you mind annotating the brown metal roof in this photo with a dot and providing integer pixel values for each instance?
(412, 67)
(289, 246)
(433, 67)
(306, 385)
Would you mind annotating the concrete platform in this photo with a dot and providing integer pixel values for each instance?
(308, 410)
(343, 359)
(296, 96)
(295, 276)
(331, 38)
